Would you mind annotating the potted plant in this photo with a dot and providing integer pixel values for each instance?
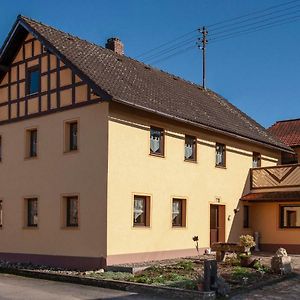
(247, 242)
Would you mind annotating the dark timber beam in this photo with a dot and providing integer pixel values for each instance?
(4, 68)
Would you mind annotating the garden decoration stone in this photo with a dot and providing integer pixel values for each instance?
(281, 263)
(222, 287)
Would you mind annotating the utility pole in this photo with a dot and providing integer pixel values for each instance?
(203, 41)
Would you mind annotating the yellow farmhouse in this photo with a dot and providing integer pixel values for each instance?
(105, 160)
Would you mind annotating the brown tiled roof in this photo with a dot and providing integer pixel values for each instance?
(287, 131)
(273, 196)
(133, 83)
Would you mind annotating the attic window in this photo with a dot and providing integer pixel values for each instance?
(33, 81)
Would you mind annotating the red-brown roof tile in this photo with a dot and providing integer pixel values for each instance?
(133, 83)
(287, 131)
(272, 196)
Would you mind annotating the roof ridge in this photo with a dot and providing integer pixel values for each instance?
(287, 120)
(25, 18)
(127, 57)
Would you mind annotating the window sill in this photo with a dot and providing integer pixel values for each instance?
(221, 167)
(191, 161)
(32, 94)
(70, 228)
(31, 227)
(70, 152)
(141, 226)
(284, 228)
(31, 158)
(157, 155)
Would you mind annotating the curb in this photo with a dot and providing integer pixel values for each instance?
(168, 292)
(259, 285)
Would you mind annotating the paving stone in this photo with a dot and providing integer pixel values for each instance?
(288, 289)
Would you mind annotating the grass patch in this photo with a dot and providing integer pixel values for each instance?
(240, 272)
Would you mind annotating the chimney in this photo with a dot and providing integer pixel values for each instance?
(115, 45)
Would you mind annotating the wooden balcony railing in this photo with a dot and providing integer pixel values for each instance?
(283, 176)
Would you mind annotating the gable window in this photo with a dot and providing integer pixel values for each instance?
(33, 81)
(72, 211)
(141, 211)
(290, 216)
(31, 136)
(71, 136)
(256, 160)
(179, 213)
(156, 141)
(246, 216)
(220, 155)
(1, 213)
(190, 148)
(32, 212)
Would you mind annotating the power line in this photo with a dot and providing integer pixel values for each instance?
(252, 13)
(252, 31)
(166, 43)
(227, 27)
(174, 54)
(220, 31)
(229, 24)
(170, 49)
(256, 28)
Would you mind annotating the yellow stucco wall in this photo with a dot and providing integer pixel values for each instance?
(133, 171)
(265, 219)
(50, 176)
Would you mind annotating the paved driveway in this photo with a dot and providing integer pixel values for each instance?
(287, 290)
(21, 288)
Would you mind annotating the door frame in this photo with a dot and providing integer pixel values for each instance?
(221, 230)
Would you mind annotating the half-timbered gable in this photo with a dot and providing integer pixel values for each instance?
(58, 86)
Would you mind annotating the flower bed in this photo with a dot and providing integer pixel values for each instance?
(183, 273)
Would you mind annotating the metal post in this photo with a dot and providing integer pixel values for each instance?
(203, 48)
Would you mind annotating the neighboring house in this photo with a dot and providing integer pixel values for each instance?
(288, 131)
(106, 160)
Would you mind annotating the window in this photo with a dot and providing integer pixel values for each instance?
(71, 211)
(71, 136)
(1, 213)
(220, 155)
(290, 216)
(141, 211)
(246, 216)
(190, 148)
(31, 136)
(156, 141)
(32, 212)
(256, 160)
(33, 81)
(179, 213)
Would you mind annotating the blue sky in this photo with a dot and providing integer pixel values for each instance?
(258, 72)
